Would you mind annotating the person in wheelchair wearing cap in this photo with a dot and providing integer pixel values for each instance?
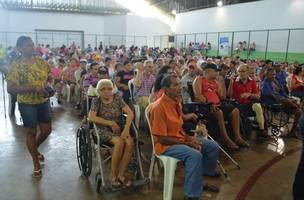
(106, 112)
(209, 89)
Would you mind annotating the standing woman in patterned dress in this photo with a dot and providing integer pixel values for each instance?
(28, 77)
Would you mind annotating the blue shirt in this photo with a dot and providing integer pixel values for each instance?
(281, 78)
(268, 90)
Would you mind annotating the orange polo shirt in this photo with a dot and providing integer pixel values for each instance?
(166, 120)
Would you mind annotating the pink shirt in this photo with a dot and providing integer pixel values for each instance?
(56, 73)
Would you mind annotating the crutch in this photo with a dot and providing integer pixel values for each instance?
(205, 136)
(234, 162)
(3, 92)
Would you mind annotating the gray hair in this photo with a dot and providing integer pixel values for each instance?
(102, 83)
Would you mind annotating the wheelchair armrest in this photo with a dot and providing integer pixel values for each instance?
(196, 107)
(274, 107)
(269, 97)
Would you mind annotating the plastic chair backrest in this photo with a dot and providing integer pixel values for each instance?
(131, 89)
(147, 115)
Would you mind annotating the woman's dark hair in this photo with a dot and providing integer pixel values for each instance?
(167, 80)
(21, 41)
(160, 75)
(163, 70)
(269, 70)
(297, 70)
(93, 64)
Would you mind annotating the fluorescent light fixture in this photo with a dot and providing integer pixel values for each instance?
(174, 12)
(220, 3)
(144, 9)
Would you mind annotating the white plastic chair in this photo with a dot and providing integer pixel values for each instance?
(169, 163)
(66, 92)
(136, 107)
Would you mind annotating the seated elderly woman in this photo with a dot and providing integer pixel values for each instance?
(272, 92)
(106, 112)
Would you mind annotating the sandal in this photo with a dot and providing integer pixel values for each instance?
(40, 157)
(231, 145)
(242, 143)
(116, 184)
(211, 188)
(125, 182)
(37, 173)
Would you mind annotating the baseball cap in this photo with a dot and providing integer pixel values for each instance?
(211, 66)
(83, 61)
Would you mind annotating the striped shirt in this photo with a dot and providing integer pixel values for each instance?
(146, 85)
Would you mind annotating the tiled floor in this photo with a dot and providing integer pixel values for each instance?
(62, 180)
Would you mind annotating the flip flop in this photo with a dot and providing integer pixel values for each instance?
(37, 173)
(125, 182)
(116, 184)
(40, 158)
(211, 188)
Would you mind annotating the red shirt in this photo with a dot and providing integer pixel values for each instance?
(239, 88)
(209, 91)
(298, 89)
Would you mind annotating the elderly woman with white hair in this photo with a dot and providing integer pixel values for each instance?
(106, 112)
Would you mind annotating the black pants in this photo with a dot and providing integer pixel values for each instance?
(298, 192)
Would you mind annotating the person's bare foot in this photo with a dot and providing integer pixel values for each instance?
(230, 144)
(242, 142)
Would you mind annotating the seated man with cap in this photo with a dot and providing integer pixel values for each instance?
(209, 88)
(199, 157)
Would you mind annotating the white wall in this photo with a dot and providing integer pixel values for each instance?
(146, 27)
(25, 21)
(267, 14)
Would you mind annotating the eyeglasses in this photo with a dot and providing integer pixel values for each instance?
(106, 88)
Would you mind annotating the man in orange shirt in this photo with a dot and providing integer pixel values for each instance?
(169, 138)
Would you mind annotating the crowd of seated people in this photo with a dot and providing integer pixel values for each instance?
(214, 80)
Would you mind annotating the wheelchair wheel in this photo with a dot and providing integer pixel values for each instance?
(84, 150)
(98, 183)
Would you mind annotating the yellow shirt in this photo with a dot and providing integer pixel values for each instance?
(25, 74)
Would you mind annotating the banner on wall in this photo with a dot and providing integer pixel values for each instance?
(224, 46)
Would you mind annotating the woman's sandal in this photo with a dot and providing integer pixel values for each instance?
(40, 157)
(37, 173)
(242, 143)
(231, 145)
(125, 182)
(116, 184)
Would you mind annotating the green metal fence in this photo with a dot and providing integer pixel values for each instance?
(274, 44)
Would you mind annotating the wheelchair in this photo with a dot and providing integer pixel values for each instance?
(276, 117)
(91, 152)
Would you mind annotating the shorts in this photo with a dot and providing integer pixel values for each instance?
(143, 101)
(34, 114)
(227, 110)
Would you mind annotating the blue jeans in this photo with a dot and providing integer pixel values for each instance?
(196, 164)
